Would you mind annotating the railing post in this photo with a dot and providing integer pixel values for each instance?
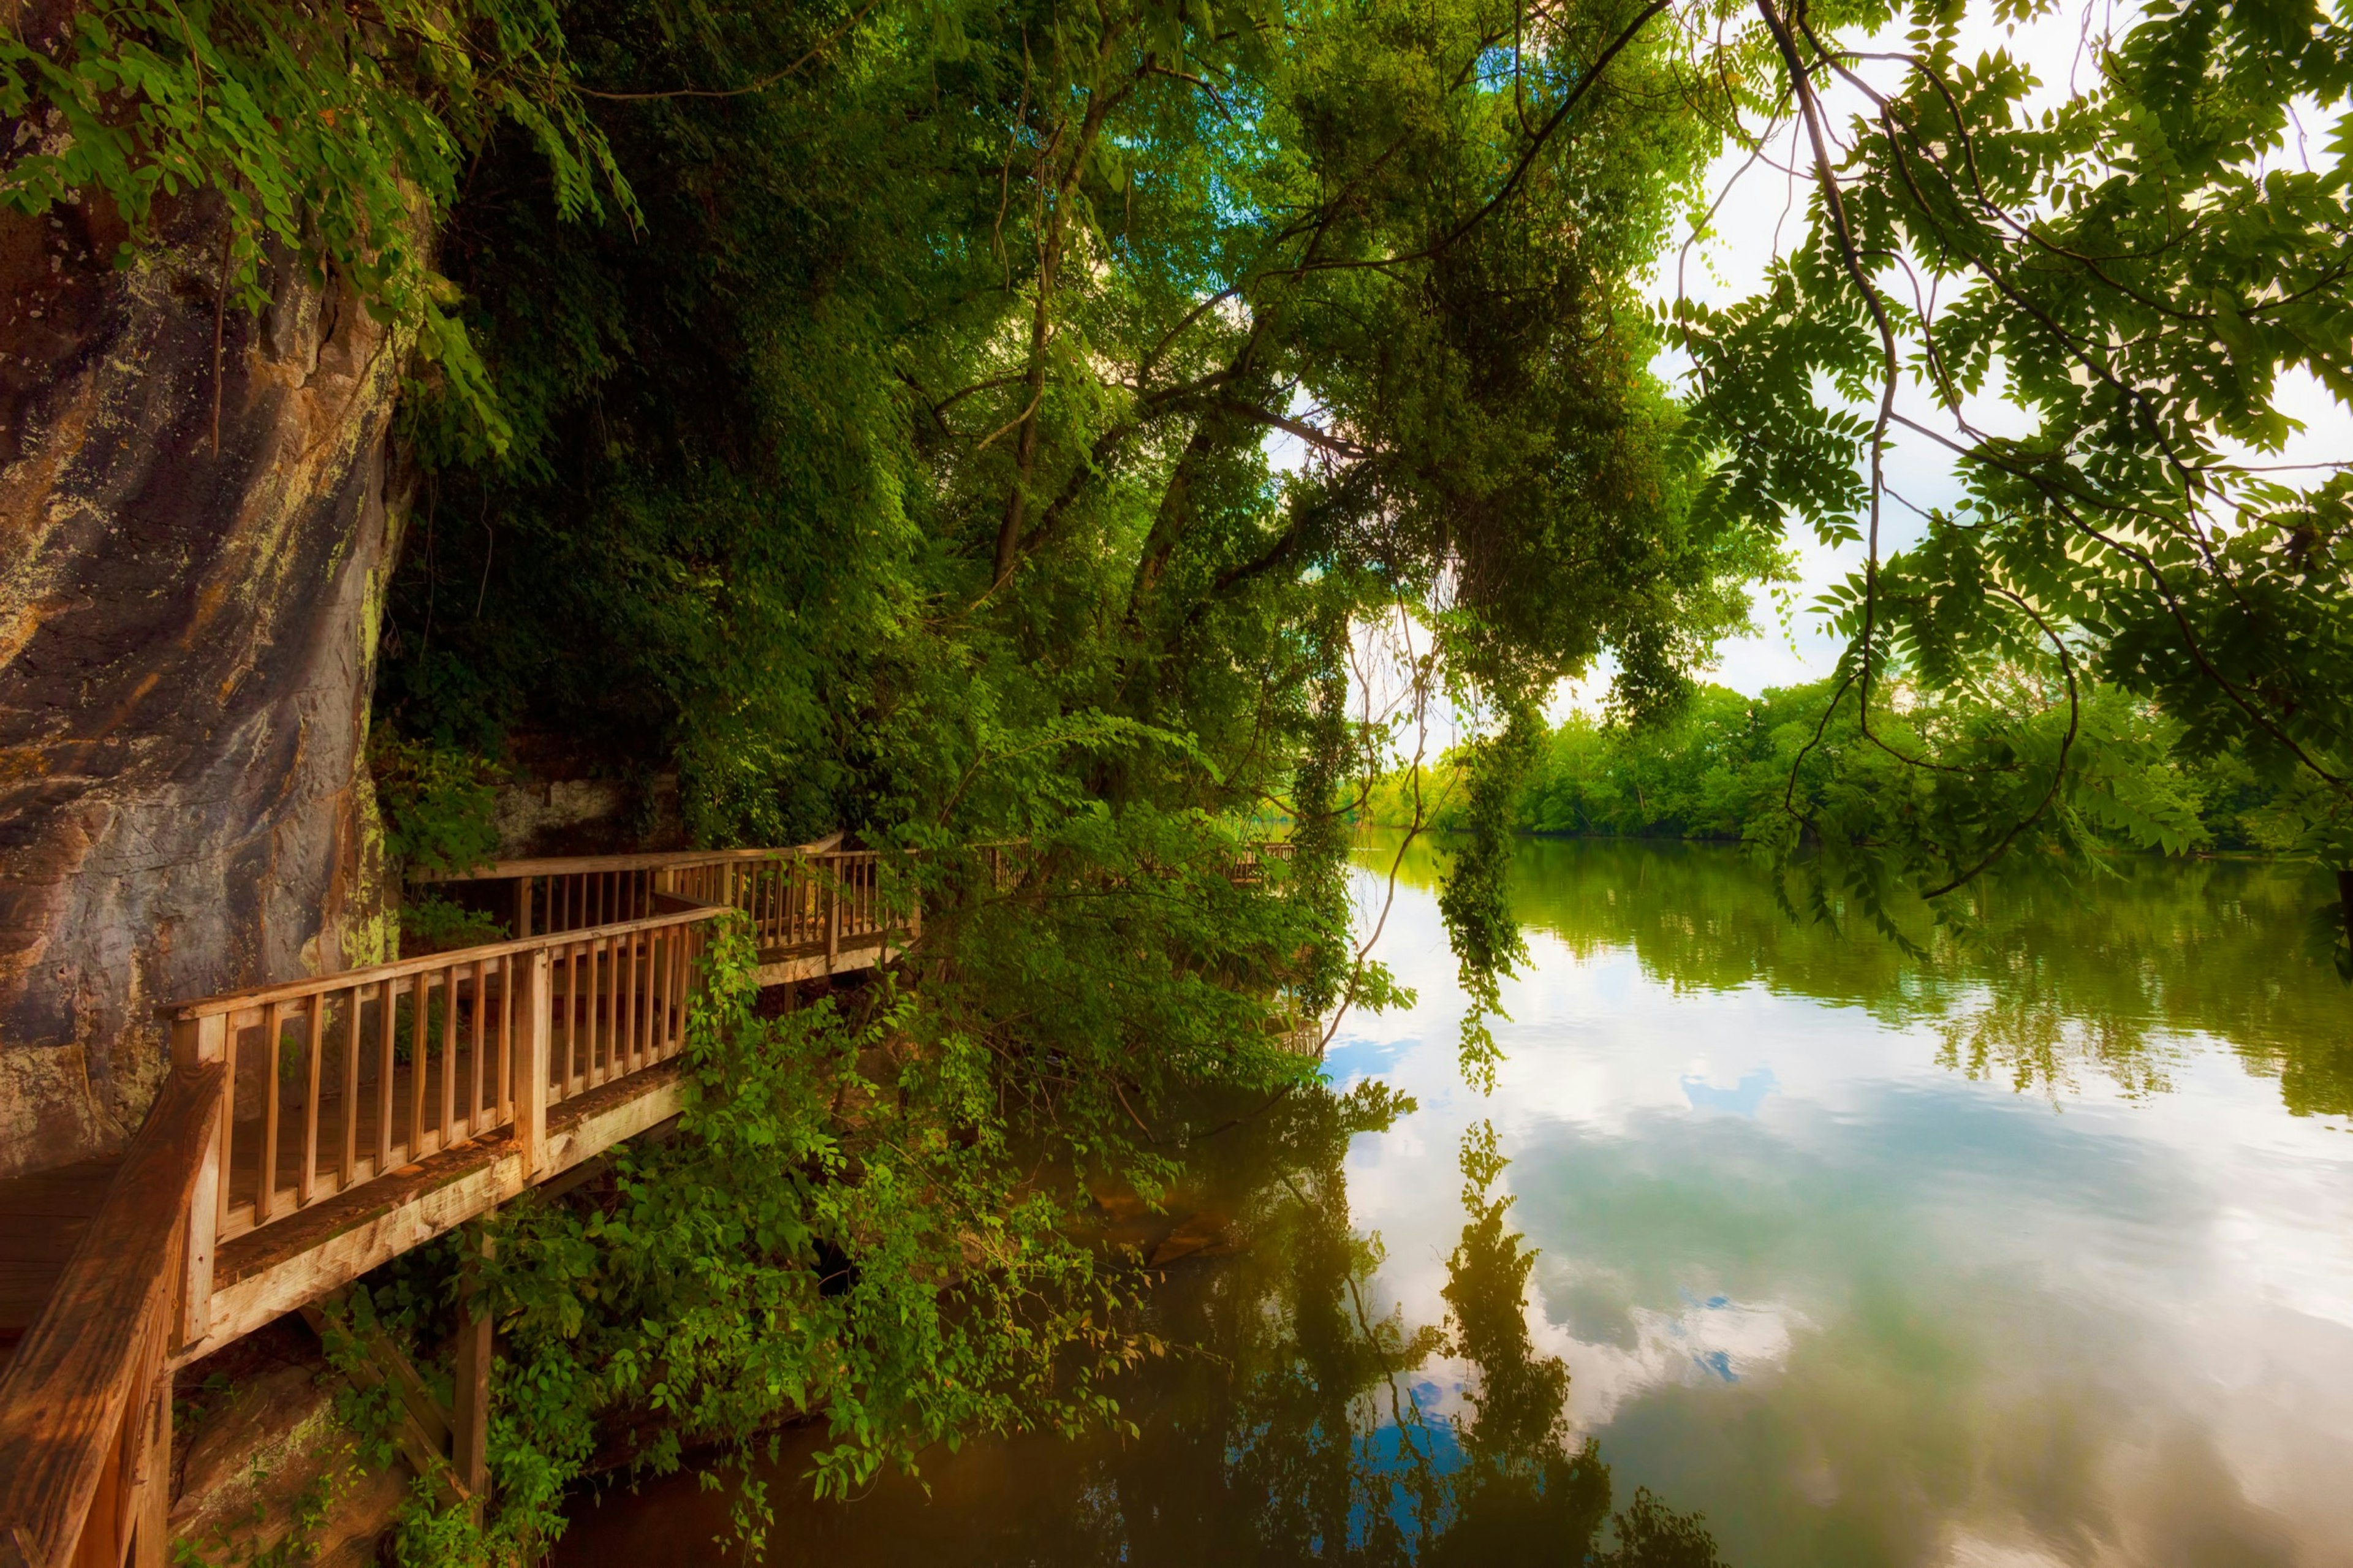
(522, 906)
(151, 1518)
(832, 887)
(195, 1042)
(535, 1021)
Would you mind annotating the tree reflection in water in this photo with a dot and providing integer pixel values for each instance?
(1295, 1424)
(1304, 1430)
(2065, 973)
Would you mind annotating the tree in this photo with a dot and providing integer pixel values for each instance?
(916, 476)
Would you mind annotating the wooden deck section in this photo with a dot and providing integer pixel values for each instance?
(314, 1130)
(268, 1272)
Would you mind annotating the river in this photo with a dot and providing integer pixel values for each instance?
(1769, 1241)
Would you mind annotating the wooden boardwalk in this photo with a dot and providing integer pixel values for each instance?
(312, 1130)
(46, 1215)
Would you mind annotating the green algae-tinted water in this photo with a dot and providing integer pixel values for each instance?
(2037, 1251)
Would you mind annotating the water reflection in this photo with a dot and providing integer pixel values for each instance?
(1296, 1424)
(1780, 1239)
(1862, 1307)
(1325, 1438)
(2092, 973)
(1523, 1485)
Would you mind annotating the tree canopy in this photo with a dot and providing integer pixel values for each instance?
(924, 423)
(2130, 275)
(875, 400)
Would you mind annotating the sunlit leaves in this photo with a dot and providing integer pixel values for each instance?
(2141, 264)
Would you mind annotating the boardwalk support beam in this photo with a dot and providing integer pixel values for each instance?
(469, 1375)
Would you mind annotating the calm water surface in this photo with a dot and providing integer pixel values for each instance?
(2036, 1253)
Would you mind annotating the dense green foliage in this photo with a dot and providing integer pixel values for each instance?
(920, 465)
(438, 806)
(333, 138)
(2133, 273)
(1476, 899)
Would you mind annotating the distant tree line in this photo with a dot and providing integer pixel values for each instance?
(1720, 767)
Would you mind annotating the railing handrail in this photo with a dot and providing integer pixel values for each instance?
(668, 859)
(403, 968)
(827, 848)
(644, 860)
(66, 1406)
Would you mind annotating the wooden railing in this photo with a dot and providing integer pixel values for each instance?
(571, 892)
(814, 898)
(337, 1079)
(806, 903)
(283, 1097)
(86, 1409)
(810, 900)
(1249, 864)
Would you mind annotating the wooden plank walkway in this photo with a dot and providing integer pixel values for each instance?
(314, 1130)
(42, 1218)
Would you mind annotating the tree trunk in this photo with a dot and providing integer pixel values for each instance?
(2345, 904)
(186, 646)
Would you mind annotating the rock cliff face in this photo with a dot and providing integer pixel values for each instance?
(196, 523)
